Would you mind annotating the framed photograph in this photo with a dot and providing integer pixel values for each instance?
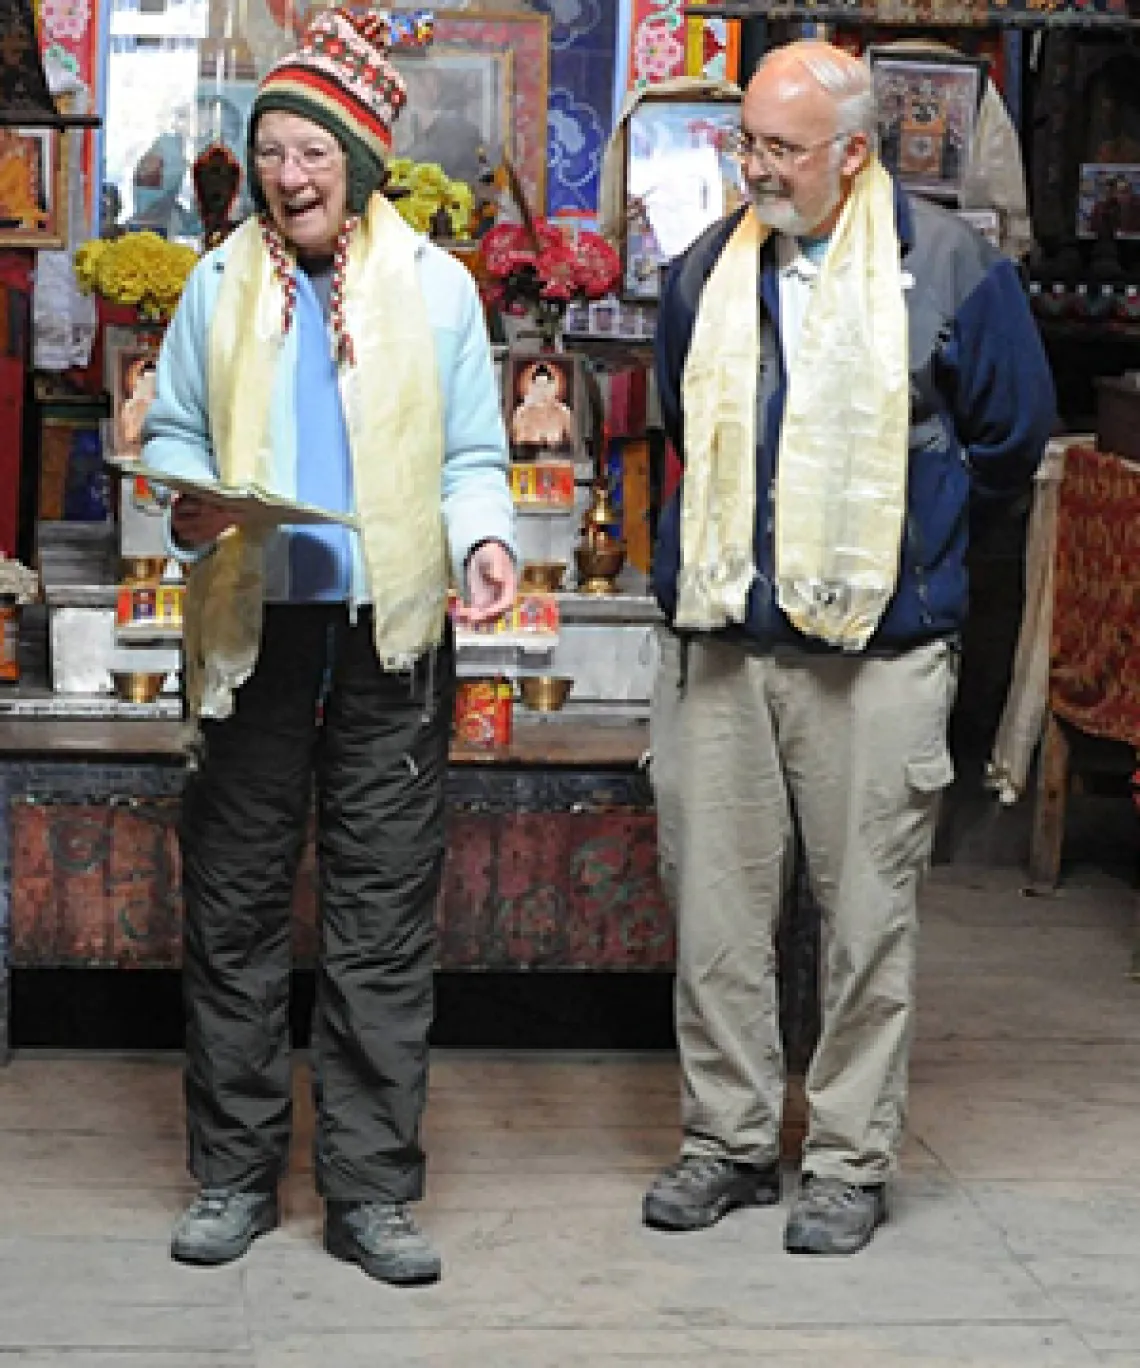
(678, 180)
(459, 108)
(523, 39)
(1108, 200)
(33, 187)
(133, 373)
(928, 108)
(544, 401)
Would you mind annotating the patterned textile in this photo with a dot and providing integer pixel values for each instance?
(663, 43)
(340, 76)
(656, 41)
(1095, 669)
(582, 39)
(100, 884)
(23, 85)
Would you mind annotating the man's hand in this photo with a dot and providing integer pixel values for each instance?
(491, 585)
(194, 522)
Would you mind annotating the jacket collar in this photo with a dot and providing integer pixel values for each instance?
(904, 218)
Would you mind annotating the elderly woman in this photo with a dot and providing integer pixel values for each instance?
(331, 354)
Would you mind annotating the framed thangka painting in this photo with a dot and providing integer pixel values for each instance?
(459, 109)
(928, 107)
(544, 399)
(522, 42)
(33, 187)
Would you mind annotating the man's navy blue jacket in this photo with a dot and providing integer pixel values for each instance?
(982, 409)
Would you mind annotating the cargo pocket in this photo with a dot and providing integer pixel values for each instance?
(907, 835)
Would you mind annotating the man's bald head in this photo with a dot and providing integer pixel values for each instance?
(817, 69)
(807, 130)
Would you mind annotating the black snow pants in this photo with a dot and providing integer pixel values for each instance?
(319, 727)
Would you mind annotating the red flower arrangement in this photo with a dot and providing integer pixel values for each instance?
(536, 267)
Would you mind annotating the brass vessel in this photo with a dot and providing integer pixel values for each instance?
(143, 569)
(545, 693)
(600, 554)
(542, 577)
(135, 686)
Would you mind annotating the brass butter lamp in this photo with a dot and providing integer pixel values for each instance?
(600, 554)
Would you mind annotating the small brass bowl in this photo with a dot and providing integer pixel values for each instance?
(545, 693)
(136, 686)
(598, 567)
(542, 577)
(143, 569)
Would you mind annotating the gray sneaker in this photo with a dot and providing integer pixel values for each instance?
(833, 1217)
(699, 1189)
(383, 1239)
(220, 1224)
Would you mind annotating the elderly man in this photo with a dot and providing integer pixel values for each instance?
(842, 367)
(329, 353)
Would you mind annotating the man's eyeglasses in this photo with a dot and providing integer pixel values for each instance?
(313, 160)
(743, 147)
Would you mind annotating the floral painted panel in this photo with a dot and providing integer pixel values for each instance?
(657, 41)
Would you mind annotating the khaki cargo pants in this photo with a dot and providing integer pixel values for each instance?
(853, 750)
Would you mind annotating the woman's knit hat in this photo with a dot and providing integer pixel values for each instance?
(339, 77)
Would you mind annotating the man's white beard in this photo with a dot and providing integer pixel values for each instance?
(781, 215)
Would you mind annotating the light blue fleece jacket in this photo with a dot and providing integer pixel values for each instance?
(475, 495)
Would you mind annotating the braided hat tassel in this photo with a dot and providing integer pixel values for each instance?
(285, 273)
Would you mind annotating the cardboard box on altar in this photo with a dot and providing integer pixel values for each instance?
(543, 486)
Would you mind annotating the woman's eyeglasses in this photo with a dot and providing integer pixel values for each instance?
(312, 160)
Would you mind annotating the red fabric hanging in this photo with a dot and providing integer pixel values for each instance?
(12, 380)
(15, 351)
(1094, 680)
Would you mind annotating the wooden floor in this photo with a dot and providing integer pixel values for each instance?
(1015, 1237)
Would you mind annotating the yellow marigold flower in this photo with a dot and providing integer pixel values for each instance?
(142, 269)
(428, 179)
(417, 211)
(87, 258)
(460, 206)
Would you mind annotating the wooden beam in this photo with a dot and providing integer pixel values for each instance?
(997, 17)
(1049, 807)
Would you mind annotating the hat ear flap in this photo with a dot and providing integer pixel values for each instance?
(253, 183)
(252, 179)
(364, 173)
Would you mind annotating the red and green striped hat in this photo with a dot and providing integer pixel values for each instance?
(341, 78)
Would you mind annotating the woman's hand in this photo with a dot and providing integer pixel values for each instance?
(491, 585)
(195, 522)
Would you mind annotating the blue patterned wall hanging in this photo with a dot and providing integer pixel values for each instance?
(582, 41)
